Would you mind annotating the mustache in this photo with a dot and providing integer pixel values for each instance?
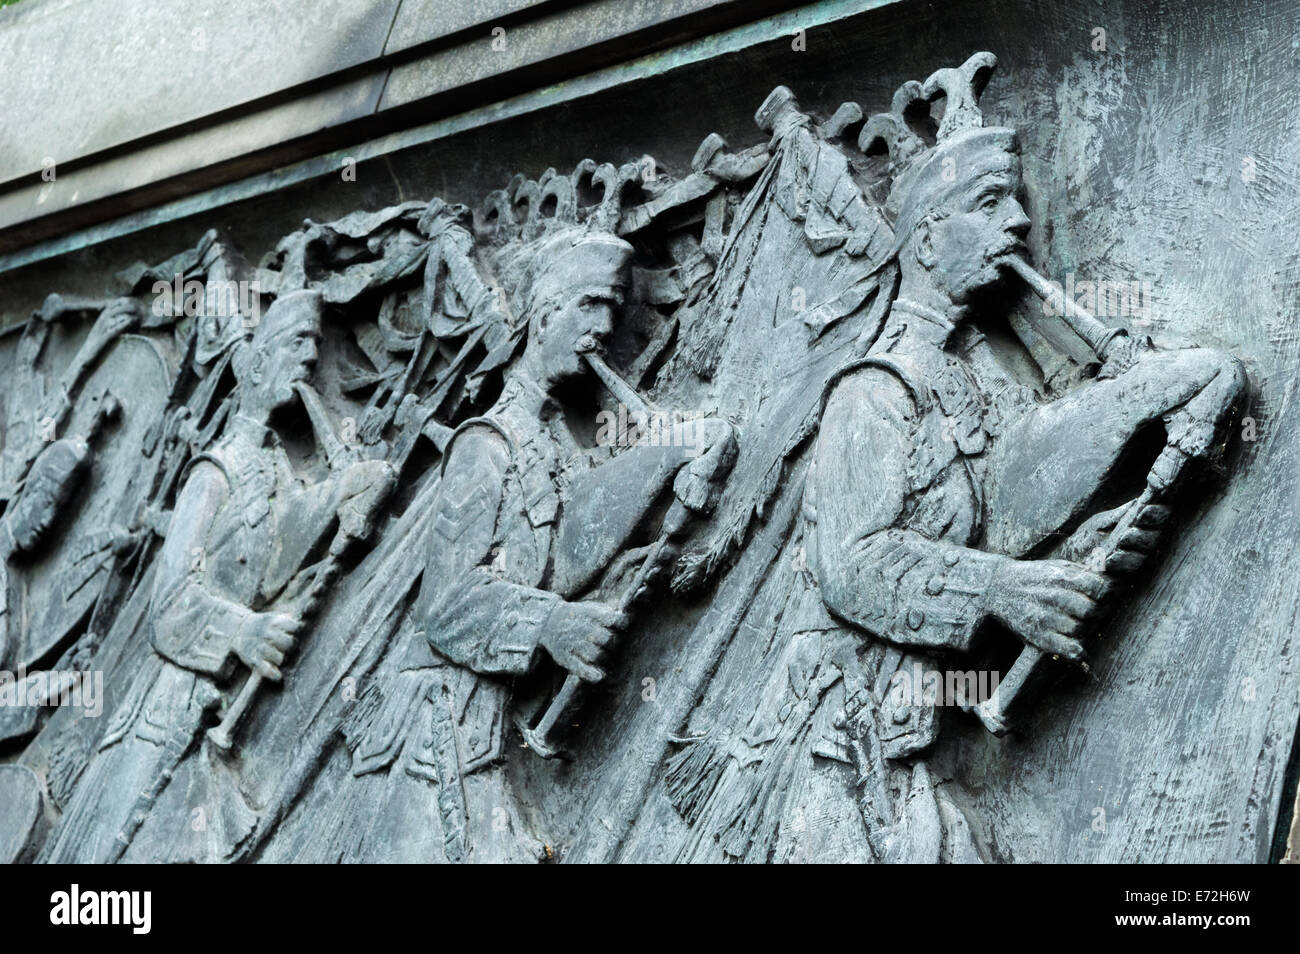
(1013, 246)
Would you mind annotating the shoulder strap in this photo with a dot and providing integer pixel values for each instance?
(485, 421)
(904, 369)
(213, 456)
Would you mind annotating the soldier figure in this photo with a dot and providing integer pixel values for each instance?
(241, 530)
(915, 536)
(39, 476)
(525, 523)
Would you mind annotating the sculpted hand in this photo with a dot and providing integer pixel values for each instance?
(577, 635)
(373, 422)
(263, 640)
(1045, 601)
(366, 488)
(369, 477)
(697, 484)
(712, 431)
(1133, 546)
(120, 315)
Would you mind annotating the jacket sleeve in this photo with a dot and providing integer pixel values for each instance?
(892, 582)
(472, 616)
(192, 626)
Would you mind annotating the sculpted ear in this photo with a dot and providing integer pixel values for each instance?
(924, 246)
(537, 315)
(256, 364)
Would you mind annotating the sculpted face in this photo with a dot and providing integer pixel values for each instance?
(291, 360)
(35, 510)
(967, 240)
(46, 488)
(580, 325)
(572, 303)
(285, 347)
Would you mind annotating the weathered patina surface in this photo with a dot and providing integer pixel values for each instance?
(628, 515)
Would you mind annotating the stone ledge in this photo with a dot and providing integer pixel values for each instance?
(385, 66)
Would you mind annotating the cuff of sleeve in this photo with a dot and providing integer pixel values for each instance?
(213, 643)
(523, 625)
(950, 588)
